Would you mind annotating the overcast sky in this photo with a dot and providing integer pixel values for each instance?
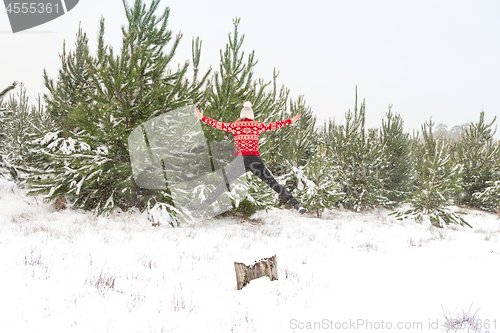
(438, 59)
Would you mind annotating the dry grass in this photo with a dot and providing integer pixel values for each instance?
(290, 275)
(180, 303)
(454, 227)
(416, 243)
(480, 231)
(271, 231)
(439, 234)
(147, 262)
(465, 322)
(374, 214)
(36, 263)
(243, 219)
(132, 275)
(101, 279)
(29, 229)
(33, 258)
(191, 233)
(367, 247)
(311, 236)
(23, 217)
(135, 301)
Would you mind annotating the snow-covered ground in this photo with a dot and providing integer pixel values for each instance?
(347, 272)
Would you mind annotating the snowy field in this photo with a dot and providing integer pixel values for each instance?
(347, 272)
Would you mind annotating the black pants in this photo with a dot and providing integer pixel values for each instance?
(237, 168)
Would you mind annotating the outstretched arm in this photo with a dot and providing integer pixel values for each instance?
(280, 124)
(198, 113)
(297, 117)
(211, 122)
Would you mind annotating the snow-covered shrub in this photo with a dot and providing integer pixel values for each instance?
(396, 168)
(489, 198)
(315, 184)
(359, 156)
(16, 124)
(438, 180)
(259, 193)
(162, 213)
(75, 170)
(479, 155)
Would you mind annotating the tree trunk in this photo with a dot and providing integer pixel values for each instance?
(264, 267)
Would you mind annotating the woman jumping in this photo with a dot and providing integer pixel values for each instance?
(246, 143)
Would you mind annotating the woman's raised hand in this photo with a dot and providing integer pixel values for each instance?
(198, 113)
(297, 117)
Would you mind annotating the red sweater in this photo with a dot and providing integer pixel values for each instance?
(246, 133)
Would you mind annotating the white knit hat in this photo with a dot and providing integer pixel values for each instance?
(247, 111)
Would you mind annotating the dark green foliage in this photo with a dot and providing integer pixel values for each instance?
(292, 144)
(317, 182)
(106, 97)
(5, 117)
(72, 89)
(77, 146)
(489, 198)
(358, 154)
(287, 151)
(16, 123)
(223, 100)
(6, 168)
(234, 84)
(437, 181)
(397, 161)
(19, 125)
(246, 208)
(4, 92)
(479, 155)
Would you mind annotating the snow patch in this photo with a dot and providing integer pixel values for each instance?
(74, 272)
(6, 186)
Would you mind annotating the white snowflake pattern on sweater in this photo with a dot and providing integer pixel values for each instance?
(246, 133)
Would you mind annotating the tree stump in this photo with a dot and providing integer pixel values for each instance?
(264, 267)
(60, 204)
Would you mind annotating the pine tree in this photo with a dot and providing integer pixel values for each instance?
(73, 85)
(223, 100)
(118, 92)
(478, 154)
(259, 197)
(56, 138)
(317, 182)
(5, 115)
(39, 163)
(6, 168)
(234, 84)
(292, 145)
(289, 149)
(438, 180)
(397, 167)
(358, 154)
(17, 119)
(19, 126)
(489, 198)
